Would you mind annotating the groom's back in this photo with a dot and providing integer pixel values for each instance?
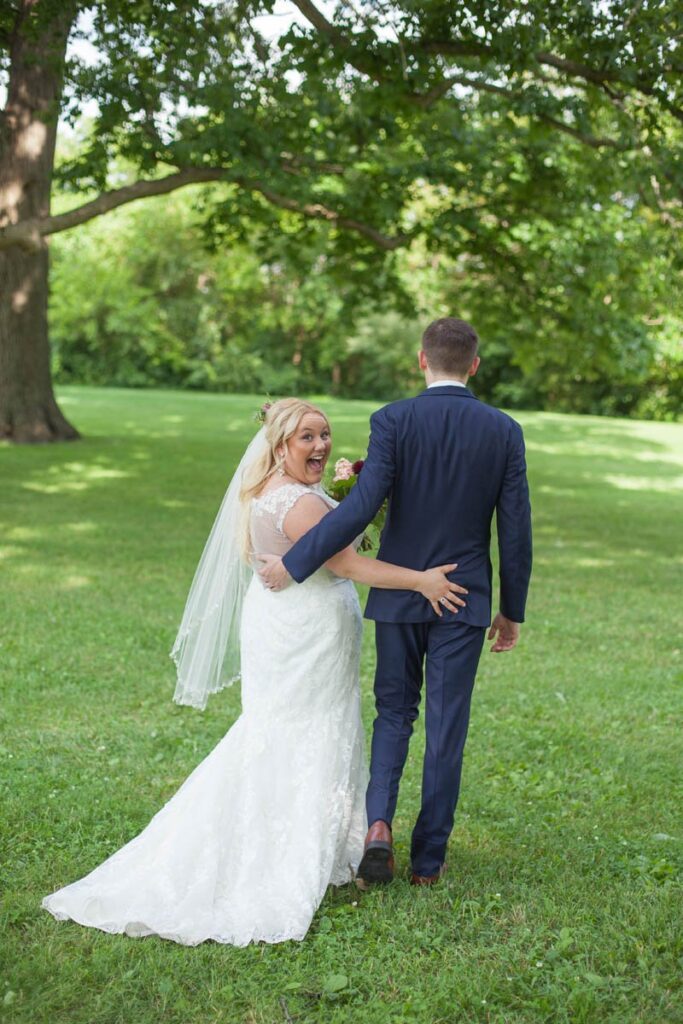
(451, 454)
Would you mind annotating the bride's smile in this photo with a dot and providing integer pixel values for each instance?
(307, 452)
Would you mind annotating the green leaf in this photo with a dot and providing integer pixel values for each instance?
(335, 983)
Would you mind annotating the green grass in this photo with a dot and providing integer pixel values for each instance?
(563, 899)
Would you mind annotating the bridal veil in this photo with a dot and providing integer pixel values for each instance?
(207, 648)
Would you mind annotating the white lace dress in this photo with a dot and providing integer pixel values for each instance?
(245, 849)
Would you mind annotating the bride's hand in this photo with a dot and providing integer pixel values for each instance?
(438, 589)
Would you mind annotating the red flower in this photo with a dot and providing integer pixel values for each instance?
(357, 466)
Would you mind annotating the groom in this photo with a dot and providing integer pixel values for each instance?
(446, 462)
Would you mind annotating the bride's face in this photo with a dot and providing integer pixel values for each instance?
(308, 449)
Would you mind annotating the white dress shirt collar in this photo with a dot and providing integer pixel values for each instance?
(447, 383)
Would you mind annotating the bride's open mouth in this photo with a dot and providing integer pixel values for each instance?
(316, 463)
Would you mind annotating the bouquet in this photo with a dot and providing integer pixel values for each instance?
(346, 475)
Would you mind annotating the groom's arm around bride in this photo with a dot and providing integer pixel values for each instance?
(446, 462)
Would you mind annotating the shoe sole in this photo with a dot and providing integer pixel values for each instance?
(375, 867)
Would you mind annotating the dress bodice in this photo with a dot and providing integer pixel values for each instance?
(268, 513)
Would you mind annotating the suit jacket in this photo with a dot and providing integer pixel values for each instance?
(446, 462)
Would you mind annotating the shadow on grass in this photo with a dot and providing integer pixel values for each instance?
(70, 500)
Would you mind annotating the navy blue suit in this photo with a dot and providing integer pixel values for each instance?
(446, 462)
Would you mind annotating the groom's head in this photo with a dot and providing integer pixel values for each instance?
(449, 350)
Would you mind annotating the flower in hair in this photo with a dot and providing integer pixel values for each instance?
(260, 414)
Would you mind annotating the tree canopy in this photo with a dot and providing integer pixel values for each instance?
(344, 118)
(535, 148)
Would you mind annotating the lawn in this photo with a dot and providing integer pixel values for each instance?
(563, 898)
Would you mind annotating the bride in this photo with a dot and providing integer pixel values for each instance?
(245, 849)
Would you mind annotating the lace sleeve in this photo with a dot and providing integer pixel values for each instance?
(270, 510)
(287, 501)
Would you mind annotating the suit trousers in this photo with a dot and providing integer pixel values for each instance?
(451, 651)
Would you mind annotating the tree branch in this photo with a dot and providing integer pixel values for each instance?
(29, 234)
(577, 70)
(366, 63)
(294, 164)
(596, 76)
(595, 142)
(602, 77)
(437, 92)
(470, 48)
(318, 19)
(319, 212)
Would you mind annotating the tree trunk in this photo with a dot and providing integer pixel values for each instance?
(28, 131)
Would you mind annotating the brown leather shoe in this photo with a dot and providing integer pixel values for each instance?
(377, 865)
(428, 879)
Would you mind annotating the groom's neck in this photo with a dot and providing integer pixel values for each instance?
(431, 377)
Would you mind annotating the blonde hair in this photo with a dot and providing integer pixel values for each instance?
(281, 423)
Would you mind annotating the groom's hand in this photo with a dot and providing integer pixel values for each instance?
(273, 573)
(504, 632)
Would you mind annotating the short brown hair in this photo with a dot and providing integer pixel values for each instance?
(450, 345)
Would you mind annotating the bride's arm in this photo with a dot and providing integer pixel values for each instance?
(432, 583)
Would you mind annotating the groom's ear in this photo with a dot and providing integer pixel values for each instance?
(474, 367)
(422, 360)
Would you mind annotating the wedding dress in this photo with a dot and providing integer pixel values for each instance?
(245, 849)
